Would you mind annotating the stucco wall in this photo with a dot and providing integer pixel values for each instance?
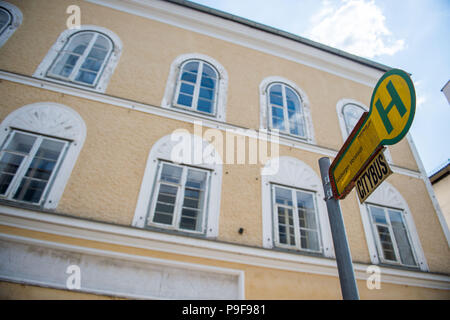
(142, 71)
(106, 179)
(260, 282)
(442, 191)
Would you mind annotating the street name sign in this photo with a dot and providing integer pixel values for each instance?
(391, 113)
(372, 176)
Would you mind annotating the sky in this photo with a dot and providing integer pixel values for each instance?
(412, 35)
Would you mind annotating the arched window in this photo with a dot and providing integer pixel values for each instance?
(85, 57)
(286, 110)
(294, 213)
(390, 230)
(39, 143)
(10, 20)
(197, 83)
(197, 87)
(82, 59)
(352, 113)
(285, 107)
(181, 194)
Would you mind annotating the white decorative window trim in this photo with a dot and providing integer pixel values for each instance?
(388, 196)
(264, 107)
(222, 89)
(163, 150)
(108, 70)
(339, 109)
(294, 173)
(16, 21)
(54, 120)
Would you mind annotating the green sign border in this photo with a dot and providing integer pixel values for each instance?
(392, 141)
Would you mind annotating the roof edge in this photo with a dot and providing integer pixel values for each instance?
(281, 33)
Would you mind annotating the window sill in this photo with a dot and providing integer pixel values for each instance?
(176, 232)
(399, 267)
(300, 252)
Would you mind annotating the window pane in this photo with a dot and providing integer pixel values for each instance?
(189, 77)
(296, 124)
(102, 43)
(187, 88)
(9, 164)
(208, 71)
(206, 93)
(401, 237)
(309, 231)
(191, 67)
(275, 95)
(293, 102)
(306, 210)
(92, 64)
(79, 42)
(184, 100)
(188, 219)
(309, 240)
(163, 213)
(171, 173)
(278, 123)
(38, 174)
(196, 179)
(50, 149)
(21, 143)
(204, 105)
(86, 77)
(286, 231)
(283, 196)
(378, 215)
(352, 114)
(98, 54)
(167, 194)
(30, 190)
(208, 82)
(5, 19)
(194, 194)
(386, 243)
(45, 160)
(277, 112)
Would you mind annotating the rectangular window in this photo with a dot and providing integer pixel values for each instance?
(391, 235)
(179, 199)
(295, 219)
(28, 163)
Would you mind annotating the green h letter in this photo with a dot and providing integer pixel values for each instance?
(396, 101)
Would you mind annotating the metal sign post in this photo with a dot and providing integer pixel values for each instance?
(343, 257)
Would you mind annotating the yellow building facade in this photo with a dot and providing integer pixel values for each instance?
(101, 194)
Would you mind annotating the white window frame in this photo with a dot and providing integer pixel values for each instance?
(266, 114)
(107, 70)
(179, 199)
(16, 21)
(82, 58)
(340, 112)
(22, 170)
(51, 120)
(392, 236)
(162, 151)
(387, 196)
(295, 174)
(295, 219)
(173, 84)
(196, 94)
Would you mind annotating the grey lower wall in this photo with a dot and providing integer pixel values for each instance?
(43, 265)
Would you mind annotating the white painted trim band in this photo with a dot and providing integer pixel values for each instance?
(145, 239)
(175, 115)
